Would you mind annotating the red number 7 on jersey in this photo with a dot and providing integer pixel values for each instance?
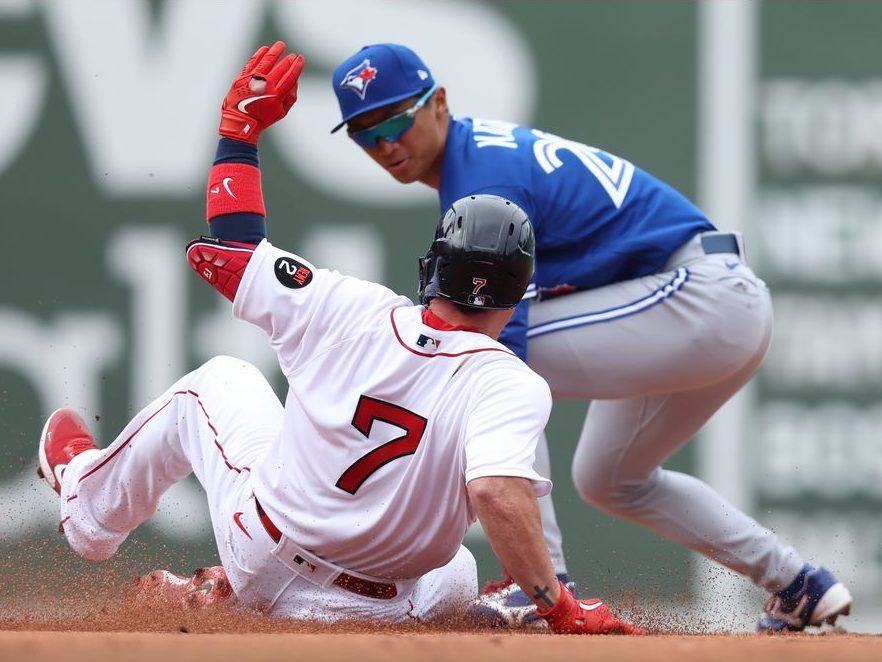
(367, 411)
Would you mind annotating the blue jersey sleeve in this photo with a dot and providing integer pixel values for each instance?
(514, 335)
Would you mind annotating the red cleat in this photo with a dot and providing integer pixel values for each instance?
(65, 436)
(494, 587)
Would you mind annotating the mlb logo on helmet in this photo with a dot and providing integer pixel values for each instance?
(378, 75)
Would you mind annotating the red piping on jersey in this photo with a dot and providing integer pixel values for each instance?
(431, 356)
(150, 418)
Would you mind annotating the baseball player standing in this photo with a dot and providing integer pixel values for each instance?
(639, 304)
(401, 423)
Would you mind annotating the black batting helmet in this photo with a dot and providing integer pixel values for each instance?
(482, 255)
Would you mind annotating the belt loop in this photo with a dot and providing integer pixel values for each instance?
(739, 238)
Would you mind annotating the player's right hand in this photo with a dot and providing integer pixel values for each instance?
(262, 94)
(572, 616)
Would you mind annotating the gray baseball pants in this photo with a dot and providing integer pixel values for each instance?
(657, 356)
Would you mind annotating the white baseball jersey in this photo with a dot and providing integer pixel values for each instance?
(389, 413)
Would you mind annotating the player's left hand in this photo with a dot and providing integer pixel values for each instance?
(208, 588)
(262, 94)
(569, 615)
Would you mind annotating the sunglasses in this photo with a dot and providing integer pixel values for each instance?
(392, 128)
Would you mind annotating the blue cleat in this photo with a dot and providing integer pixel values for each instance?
(814, 598)
(504, 604)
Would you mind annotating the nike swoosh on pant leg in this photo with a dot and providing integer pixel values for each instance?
(237, 518)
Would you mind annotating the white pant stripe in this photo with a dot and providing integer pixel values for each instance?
(662, 293)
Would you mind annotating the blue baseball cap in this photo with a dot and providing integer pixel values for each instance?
(376, 76)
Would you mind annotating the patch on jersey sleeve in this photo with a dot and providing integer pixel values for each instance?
(292, 274)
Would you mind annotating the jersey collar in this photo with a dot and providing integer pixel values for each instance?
(431, 320)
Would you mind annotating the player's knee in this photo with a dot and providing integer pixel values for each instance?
(460, 584)
(96, 553)
(226, 364)
(602, 490)
(93, 547)
(221, 362)
(467, 571)
(593, 483)
(596, 492)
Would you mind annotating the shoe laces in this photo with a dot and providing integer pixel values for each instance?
(791, 614)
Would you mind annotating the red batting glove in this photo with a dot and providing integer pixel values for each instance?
(262, 94)
(208, 588)
(572, 616)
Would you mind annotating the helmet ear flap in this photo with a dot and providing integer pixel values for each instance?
(428, 274)
(429, 278)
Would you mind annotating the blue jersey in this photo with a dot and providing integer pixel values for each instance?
(598, 219)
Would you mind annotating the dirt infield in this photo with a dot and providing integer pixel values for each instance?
(168, 646)
(86, 629)
(63, 616)
(117, 631)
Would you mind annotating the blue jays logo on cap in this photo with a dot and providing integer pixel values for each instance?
(392, 72)
(359, 77)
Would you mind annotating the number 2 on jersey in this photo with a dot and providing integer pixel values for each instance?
(367, 411)
(612, 172)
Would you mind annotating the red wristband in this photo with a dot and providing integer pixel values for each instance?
(234, 187)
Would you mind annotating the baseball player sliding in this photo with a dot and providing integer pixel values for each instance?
(401, 424)
(640, 305)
